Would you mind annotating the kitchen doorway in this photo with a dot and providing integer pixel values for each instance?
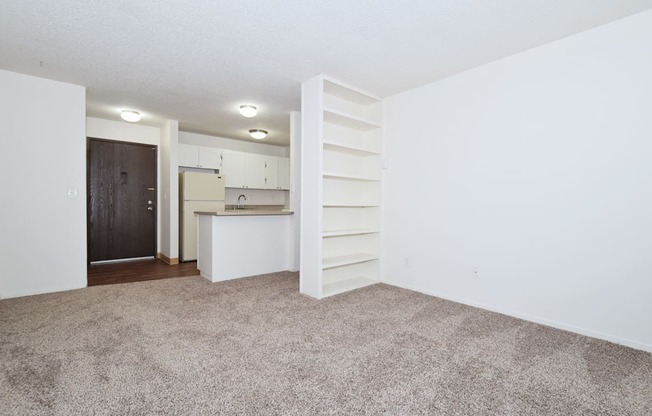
(121, 200)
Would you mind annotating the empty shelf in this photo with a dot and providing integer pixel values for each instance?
(347, 120)
(347, 92)
(330, 262)
(335, 175)
(334, 288)
(348, 205)
(357, 231)
(345, 148)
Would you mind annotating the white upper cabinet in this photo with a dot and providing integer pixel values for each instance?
(188, 155)
(255, 171)
(271, 172)
(284, 173)
(210, 158)
(233, 169)
(200, 157)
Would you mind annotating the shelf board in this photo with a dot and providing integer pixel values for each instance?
(348, 205)
(348, 120)
(330, 262)
(334, 175)
(347, 92)
(355, 231)
(342, 286)
(352, 150)
(352, 207)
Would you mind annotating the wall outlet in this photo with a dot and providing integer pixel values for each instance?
(475, 273)
(406, 262)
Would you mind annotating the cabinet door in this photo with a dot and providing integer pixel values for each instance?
(255, 171)
(233, 169)
(188, 156)
(210, 158)
(271, 172)
(284, 173)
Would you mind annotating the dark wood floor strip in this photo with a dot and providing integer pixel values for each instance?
(138, 271)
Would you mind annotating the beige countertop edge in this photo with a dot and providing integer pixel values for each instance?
(244, 212)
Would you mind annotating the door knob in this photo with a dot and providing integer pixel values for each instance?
(149, 202)
(150, 209)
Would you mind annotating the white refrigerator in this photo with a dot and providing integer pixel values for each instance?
(197, 192)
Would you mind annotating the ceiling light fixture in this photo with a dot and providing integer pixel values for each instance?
(130, 116)
(248, 111)
(258, 134)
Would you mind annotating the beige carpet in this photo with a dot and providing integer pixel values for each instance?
(257, 347)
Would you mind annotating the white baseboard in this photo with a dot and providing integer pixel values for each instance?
(543, 321)
(43, 291)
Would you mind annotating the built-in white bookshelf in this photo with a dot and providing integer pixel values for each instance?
(341, 189)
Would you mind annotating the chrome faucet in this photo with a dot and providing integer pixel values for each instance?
(238, 205)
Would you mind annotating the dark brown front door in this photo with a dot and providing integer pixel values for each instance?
(121, 200)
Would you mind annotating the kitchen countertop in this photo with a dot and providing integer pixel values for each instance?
(245, 212)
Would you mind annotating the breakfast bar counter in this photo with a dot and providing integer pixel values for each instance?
(245, 212)
(239, 243)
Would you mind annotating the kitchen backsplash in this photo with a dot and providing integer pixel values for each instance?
(257, 196)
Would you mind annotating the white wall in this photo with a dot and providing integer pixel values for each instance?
(256, 196)
(536, 169)
(42, 154)
(232, 144)
(117, 130)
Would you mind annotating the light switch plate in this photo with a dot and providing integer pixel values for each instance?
(72, 193)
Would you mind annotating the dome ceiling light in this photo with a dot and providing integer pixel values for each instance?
(248, 111)
(130, 116)
(258, 134)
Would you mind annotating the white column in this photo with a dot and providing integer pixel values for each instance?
(169, 192)
(295, 190)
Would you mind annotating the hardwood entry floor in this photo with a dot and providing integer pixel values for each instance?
(138, 271)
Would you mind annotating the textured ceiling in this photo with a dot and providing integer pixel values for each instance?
(196, 61)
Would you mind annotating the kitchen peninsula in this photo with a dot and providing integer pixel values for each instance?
(239, 243)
